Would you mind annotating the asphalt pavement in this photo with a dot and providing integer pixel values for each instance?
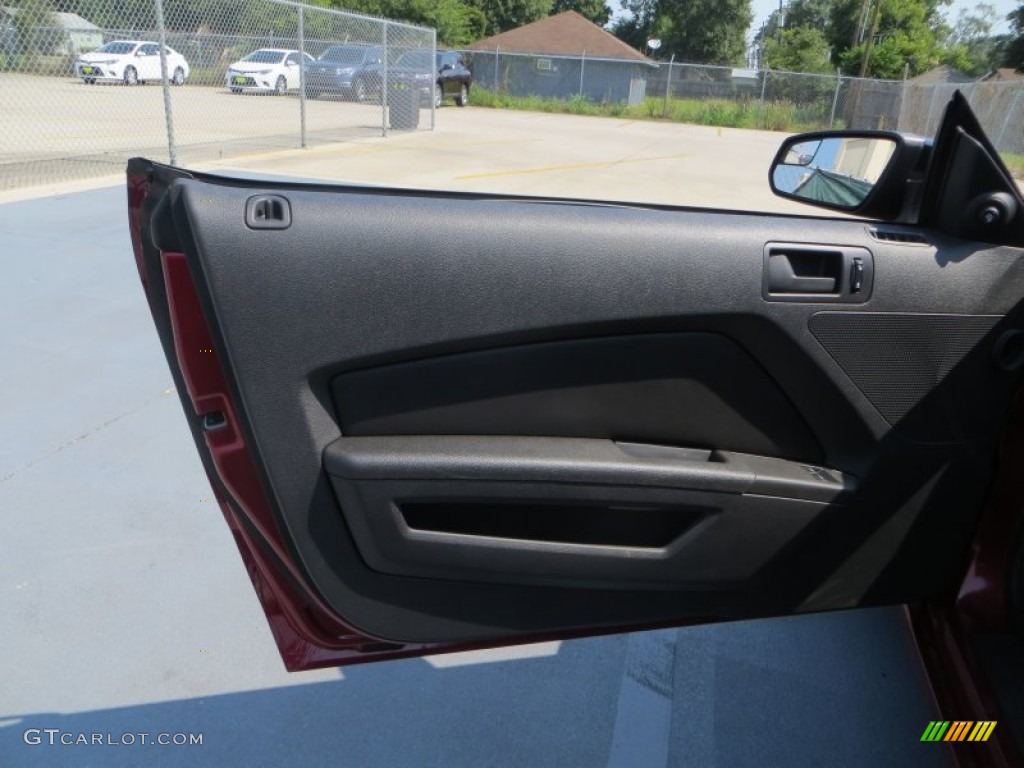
(124, 608)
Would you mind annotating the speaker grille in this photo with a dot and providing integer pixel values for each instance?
(897, 359)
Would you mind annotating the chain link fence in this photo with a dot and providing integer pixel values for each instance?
(233, 77)
(749, 98)
(81, 92)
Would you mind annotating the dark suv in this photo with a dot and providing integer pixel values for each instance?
(453, 79)
(352, 70)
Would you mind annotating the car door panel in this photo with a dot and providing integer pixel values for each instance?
(477, 418)
(149, 63)
(692, 388)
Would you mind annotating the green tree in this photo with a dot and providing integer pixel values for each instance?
(595, 10)
(971, 46)
(457, 22)
(37, 29)
(702, 31)
(808, 13)
(1013, 52)
(800, 49)
(502, 15)
(112, 14)
(632, 30)
(909, 32)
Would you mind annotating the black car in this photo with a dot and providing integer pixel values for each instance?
(352, 70)
(453, 79)
(447, 78)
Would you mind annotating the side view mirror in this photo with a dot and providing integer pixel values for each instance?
(863, 172)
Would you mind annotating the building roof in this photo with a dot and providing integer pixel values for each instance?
(1004, 74)
(942, 74)
(76, 22)
(564, 34)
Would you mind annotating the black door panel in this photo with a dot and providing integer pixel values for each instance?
(416, 318)
(566, 511)
(689, 389)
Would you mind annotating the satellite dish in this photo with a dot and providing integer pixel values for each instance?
(654, 43)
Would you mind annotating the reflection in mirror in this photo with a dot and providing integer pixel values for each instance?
(840, 171)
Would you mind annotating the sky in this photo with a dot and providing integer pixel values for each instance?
(762, 9)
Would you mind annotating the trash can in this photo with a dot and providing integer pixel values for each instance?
(403, 107)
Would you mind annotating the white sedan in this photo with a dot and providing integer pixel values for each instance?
(130, 62)
(268, 69)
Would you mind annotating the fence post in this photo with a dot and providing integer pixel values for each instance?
(384, 93)
(903, 96)
(764, 84)
(1009, 115)
(668, 86)
(172, 151)
(931, 104)
(433, 63)
(497, 48)
(302, 79)
(583, 66)
(835, 99)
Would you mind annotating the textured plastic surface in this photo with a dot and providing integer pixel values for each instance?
(897, 359)
(736, 513)
(571, 461)
(695, 389)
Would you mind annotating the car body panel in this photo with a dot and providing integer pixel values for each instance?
(445, 79)
(341, 69)
(453, 75)
(143, 56)
(255, 76)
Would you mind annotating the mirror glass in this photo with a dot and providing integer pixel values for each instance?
(840, 171)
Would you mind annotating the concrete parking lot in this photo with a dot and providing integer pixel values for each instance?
(536, 153)
(52, 126)
(126, 608)
(99, 126)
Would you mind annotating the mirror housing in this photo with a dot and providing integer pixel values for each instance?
(866, 173)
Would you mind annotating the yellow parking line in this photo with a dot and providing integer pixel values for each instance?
(572, 167)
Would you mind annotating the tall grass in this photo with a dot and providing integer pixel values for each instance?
(1015, 162)
(741, 113)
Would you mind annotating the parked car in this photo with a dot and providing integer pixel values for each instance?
(267, 70)
(453, 79)
(131, 62)
(461, 420)
(448, 77)
(352, 70)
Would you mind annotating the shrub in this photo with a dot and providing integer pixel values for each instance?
(778, 116)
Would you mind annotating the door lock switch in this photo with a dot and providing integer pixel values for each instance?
(856, 274)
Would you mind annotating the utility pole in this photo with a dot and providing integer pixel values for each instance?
(871, 38)
(862, 17)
